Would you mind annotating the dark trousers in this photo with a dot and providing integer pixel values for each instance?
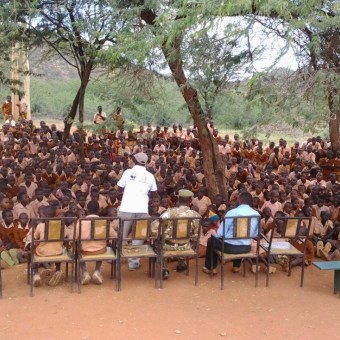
(215, 243)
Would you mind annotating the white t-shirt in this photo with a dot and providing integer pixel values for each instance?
(97, 118)
(137, 182)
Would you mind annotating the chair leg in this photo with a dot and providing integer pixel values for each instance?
(257, 272)
(66, 276)
(31, 281)
(290, 266)
(187, 262)
(267, 271)
(160, 271)
(150, 269)
(28, 268)
(76, 270)
(156, 272)
(72, 273)
(119, 274)
(111, 276)
(78, 277)
(222, 273)
(302, 271)
(196, 269)
(244, 267)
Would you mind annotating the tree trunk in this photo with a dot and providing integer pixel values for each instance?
(212, 161)
(68, 121)
(334, 121)
(334, 131)
(79, 100)
(81, 117)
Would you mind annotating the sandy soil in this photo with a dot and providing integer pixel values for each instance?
(178, 311)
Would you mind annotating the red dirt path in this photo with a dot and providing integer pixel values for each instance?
(178, 311)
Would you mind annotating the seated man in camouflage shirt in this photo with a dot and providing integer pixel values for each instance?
(182, 210)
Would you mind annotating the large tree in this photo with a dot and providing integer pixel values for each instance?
(77, 31)
(170, 21)
(163, 25)
(314, 34)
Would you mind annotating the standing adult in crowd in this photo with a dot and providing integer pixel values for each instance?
(100, 116)
(7, 108)
(136, 183)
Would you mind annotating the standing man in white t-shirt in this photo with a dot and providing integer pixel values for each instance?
(136, 184)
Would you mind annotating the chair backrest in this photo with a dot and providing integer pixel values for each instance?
(141, 228)
(291, 227)
(53, 229)
(181, 228)
(97, 228)
(243, 227)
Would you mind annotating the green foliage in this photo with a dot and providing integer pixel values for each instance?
(112, 34)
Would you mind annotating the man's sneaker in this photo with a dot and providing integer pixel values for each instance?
(236, 270)
(165, 274)
(181, 267)
(253, 268)
(209, 271)
(36, 280)
(97, 278)
(133, 265)
(285, 265)
(271, 270)
(56, 278)
(85, 278)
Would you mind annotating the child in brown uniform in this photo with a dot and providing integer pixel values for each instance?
(20, 231)
(49, 248)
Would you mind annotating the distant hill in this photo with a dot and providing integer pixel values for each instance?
(52, 69)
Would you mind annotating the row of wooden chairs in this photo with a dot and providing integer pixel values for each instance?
(285, 231)
(151, 231)
(279, 241)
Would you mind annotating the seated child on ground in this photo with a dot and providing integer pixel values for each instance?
(323, 231)
(8, 249)
(21, 233)
(334, 253)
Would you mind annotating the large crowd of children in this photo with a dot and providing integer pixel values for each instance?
(40, 169)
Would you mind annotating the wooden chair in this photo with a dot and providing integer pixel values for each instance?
(177, 231)
(54, 232)
(286, 230)
(241, 230)
(141, 229)
(99, 230)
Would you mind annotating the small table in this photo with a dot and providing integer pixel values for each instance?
(331, 265)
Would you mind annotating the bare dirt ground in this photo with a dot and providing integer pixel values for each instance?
(178, 311)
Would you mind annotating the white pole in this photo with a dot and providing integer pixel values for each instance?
(15, 81)
(27, 82)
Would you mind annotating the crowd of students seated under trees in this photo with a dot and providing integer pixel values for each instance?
(38, 168)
